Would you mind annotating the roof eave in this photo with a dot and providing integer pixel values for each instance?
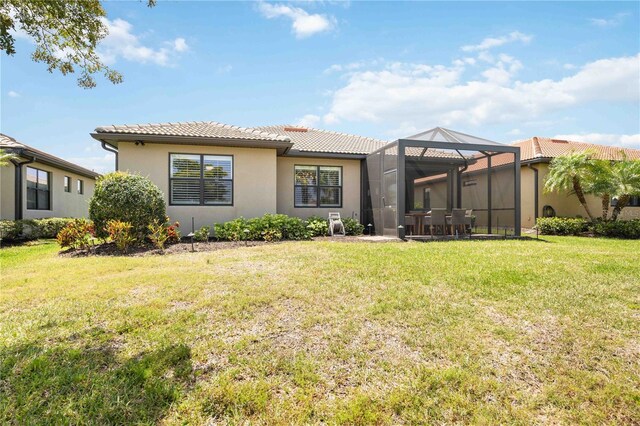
(113, 139)
(50, 160)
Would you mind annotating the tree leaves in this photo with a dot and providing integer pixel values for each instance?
(66, 34)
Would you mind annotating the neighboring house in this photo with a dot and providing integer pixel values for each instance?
(535, 155)
(215, 172)
(38, 185)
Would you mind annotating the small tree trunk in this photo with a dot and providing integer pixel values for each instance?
(577, 188)
(606, 200)
(623, 200)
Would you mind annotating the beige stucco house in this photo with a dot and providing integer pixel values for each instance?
(535, 155)
(214, 172)
(38, 185)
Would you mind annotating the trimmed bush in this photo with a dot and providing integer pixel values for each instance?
(10, 229)
(270, 227)
(561, 225)
(318, 226)
(628, 229)
(352, 226)
(50, 227)
(126, 198)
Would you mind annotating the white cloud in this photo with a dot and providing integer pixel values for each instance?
(614, 21)
(13, 94)
(180, 45)
(491, 42)
(626, 141)
(121, 42)
(569, 66)
(420, 94)
(309, 120)
(514, 132)
(303, 24)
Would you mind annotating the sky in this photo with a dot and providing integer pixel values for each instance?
(500, 70)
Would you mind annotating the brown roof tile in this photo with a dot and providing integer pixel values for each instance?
(316, 140)
(197, 129)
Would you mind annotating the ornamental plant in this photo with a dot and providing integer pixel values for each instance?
(161, 233)
(121, 233)
(127, 198)
(78, 234)
(202, 234)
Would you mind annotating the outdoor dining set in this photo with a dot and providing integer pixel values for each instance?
(438, 221)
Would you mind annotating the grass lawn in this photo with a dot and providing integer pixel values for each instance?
(515, 332)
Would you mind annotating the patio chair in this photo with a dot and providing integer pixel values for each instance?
(458, 222)
(410, 224)
(468, 220)
(336, 225)
(438, 221)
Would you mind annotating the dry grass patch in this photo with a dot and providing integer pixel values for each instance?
(494, 332)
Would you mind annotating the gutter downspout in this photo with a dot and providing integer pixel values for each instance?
(110, 148)
(535, 192)
(18, 184)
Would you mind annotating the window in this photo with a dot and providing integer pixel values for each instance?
(634, 201)
(38, 191)
(67, 184)
(80, 186)
(196, 179)
(318, 186)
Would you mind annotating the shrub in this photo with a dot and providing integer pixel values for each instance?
(121, 233)
(560, 225)
(317, 226)
(232, 230)
(352, 226)
(161, 233)
(10, 229)
(50, 227)
(173, 233)
(270, 227)
(77, 234)
(294, 228)
(202, 234)
(127, 198)
(629, 229)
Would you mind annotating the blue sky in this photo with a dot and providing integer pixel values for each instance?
(501, 70)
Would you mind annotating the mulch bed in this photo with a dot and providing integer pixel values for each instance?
(109, 249)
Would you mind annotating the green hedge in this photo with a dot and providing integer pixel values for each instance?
(561, 225)
(31, 229)
(629, 229)
(276, 227)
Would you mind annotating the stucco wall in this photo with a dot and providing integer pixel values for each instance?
(254, 180)
(7, 192)
(63, 204)
(350, 187)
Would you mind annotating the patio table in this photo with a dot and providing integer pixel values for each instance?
(419, 216)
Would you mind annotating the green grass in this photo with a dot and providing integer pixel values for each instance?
(486, 332)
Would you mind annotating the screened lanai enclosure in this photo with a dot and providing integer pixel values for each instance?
(444, 184)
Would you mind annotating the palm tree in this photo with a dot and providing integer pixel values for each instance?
(5, 157)
(625, 176)
(599, 182)
(567, 173)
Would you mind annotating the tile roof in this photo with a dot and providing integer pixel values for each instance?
(546, 148)
(197, 129)
(539, 147)
(7, 142)
(316, 140)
